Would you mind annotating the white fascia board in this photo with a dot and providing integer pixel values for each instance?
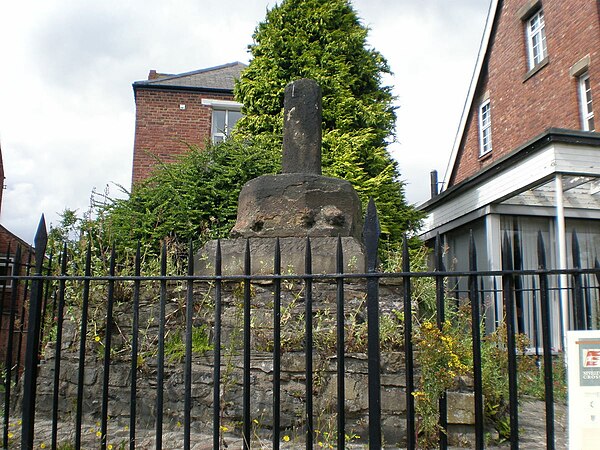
(214, 103)
(491, 18)
(577, 159)
(427, 233)
(515, 179)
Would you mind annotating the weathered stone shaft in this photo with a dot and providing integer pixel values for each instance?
(302, 128)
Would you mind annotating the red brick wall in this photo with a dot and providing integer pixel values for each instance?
(163, 130)
(7, 239)
(524, 108)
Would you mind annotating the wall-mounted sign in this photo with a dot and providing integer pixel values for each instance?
(583, 362)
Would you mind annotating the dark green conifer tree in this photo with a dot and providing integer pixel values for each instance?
(325, 40)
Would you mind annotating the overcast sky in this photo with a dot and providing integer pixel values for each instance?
(66, 104)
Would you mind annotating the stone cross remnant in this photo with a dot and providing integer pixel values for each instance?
(302, 128)
(299, 202)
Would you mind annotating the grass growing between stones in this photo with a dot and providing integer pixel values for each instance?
(175, 343)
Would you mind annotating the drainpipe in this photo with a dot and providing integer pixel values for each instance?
(433, 179)
(562, 258)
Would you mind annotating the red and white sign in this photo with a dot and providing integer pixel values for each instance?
(592, 358)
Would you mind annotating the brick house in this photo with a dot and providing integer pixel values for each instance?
(174, 111)
(527, 154)
(8, 245)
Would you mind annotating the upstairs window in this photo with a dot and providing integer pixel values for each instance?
(6, 269)
(223, 121)
(225, 114)
(536, 39)
(585, 103)
(485, 128)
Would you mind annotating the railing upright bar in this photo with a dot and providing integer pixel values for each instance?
(247, 420)
(546, 343)
(55, 297)
(308, 348)
(588, 304)
(82, 341)
(107, 349)
(160, 376)
(497, 312)
(46, 288)
(411, 436)
(371, 232)
(476, 336)
(135, 348)
(441, 318)
(217, 350)
(9, 347)
(536, 328)
(341, 363)
(58, 346)
(508, 291)
(517, 264)
(189, 325)
(597, 275)
(578, 308)
(33, 341)
(22, 318)
(277, 346)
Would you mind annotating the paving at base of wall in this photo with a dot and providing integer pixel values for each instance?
(531, 423)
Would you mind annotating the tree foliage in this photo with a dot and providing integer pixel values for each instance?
(324, 40)
(193, 199)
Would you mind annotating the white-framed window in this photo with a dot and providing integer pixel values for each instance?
(585, 103)
(6, 269)
(225, 114)
(485, 128)
(536, 39)
(223, 121)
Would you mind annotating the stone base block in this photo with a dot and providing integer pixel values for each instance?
(298, 204)
(293, 250)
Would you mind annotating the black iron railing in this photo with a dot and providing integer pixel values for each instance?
(45, 284)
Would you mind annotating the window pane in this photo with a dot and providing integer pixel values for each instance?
(543, 51)
(234, 116)
(218, 125)
(5, 270)
(485, 128)
(536, 36)
(586, 104)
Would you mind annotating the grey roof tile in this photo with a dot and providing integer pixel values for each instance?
(219, 77)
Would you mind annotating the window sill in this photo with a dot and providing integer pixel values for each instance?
(485, 156)
(543, 63)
